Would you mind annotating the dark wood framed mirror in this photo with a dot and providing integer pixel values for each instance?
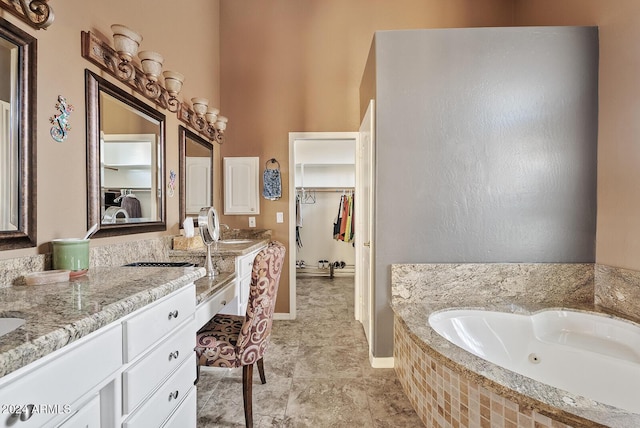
(18, 56)
(125, 161)
(196, 174)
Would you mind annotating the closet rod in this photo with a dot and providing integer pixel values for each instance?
(325, 189)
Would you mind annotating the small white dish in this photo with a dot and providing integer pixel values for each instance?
(47, 277)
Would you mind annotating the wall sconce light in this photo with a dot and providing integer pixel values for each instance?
(119, 61)
(152, 66)
(126, 42)
(206, 119)
(173, 82)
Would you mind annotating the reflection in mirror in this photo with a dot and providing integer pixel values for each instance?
(125, 155)
(17, 137)
(196, 174)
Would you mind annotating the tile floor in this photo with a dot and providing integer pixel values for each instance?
(317, 369)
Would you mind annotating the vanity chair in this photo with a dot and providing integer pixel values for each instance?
(232, 341)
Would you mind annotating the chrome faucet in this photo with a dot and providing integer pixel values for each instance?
(223, 228)
(111, 214)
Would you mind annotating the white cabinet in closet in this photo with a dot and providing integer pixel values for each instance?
(241, 186)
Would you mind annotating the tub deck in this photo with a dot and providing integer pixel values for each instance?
(419, 290)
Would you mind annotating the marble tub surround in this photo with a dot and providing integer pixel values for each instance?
(59, 314)
(418, 290)
(618, 291)
(533, 285)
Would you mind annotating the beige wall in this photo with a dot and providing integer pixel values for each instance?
(618, 229)
(296, 65)
(187, 37)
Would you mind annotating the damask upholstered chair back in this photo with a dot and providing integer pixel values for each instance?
(256, 329)
(237, 341)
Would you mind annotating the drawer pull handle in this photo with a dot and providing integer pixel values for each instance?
(25, 414)
(173, 355)
(224, 302)
(173, 395)
(173, 314)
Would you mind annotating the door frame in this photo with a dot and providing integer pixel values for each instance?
(293, 137)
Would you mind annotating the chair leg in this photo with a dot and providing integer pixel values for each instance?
(197, 370)
(261, 371)
(247, 377)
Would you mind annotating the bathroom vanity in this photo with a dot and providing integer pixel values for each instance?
(111, 348)
(233, 255)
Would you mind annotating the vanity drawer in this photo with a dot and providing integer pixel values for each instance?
(166, 399)
(186, 414)
(144, 329)
(245, 264)
(58, 380)
(207, 309)
(146, 374)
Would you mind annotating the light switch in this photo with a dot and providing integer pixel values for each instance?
(279, 217)
(252, 222)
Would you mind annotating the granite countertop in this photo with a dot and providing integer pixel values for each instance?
(414, 313)
(61, 313)
(224, 248)
(207, 287)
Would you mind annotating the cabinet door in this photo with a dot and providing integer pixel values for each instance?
(198, 184)
(87, 417)
(241, 181)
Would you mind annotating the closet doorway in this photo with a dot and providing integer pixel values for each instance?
(323, 170)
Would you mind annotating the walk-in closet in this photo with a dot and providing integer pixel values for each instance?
(325, 207)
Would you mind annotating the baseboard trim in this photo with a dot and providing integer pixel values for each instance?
(381, 362)
(282, 316)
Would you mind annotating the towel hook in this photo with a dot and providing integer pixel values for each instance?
(272, 160)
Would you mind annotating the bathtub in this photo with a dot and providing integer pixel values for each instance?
(588, 354)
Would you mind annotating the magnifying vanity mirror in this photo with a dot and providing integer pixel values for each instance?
(17, 137)
(196, 174)
(125, 161)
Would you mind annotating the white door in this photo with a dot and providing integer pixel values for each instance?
(364, 190)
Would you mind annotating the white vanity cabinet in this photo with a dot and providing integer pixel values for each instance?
(138, 371)
(243, 267)
(241, 185)
(65, 386)
(160, 365)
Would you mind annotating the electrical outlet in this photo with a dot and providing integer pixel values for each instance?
(279, 217)
(252, 222)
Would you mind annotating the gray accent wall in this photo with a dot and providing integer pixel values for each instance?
(486, 149)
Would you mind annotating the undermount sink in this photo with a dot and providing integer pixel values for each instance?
(7, 325)
(235, 241)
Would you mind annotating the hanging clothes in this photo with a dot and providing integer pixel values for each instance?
(338, 221)
(298, 221)
(344, 226)
(349, 225)
(131, 204)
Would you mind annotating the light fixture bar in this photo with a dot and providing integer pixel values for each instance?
(145, 81)
(36, 13)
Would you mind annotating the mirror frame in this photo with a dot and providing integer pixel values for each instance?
(94, 85)
(25, 236)
(183, 135)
